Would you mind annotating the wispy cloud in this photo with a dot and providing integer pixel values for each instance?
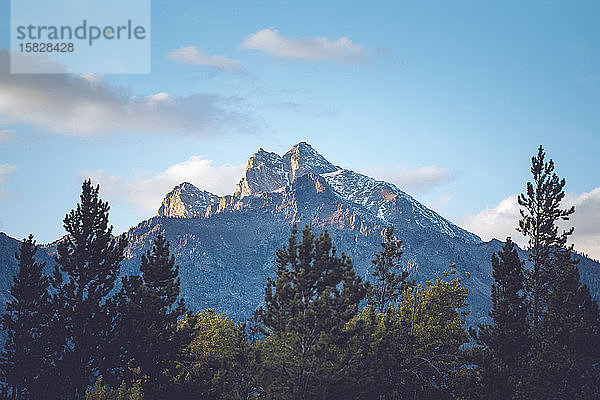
(5, 169)
(195, 56)
(501, 220)
(310, 49)
(88, 105)
(144, 192)
(413, 181)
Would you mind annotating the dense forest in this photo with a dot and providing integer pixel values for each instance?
(322, 332)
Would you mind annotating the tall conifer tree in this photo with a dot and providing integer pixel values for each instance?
(564, 319)
(315, 294)
(149, 306)
(88, 261)
(542, 210)
(26, 360)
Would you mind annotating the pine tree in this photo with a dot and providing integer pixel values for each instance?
(306, 308)
(149, 306)
(88, 261)
(388, 277)
(542, 210)
(26, 364)
(565, 355)
(505, 342)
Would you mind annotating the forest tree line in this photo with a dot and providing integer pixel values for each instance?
(322, 332)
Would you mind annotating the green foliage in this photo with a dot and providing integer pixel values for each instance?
(88, 264)
(147, 310)
(26, 358)
(216, 362)
(411, 350)
(315, 294)
(101, 392)
(388, 276)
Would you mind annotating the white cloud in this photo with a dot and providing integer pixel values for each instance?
(413, 181)
(500, 221)
(195, 56)
(497, 222)
(145, 192)
(319, 48)
(586, 221)
(87, 105)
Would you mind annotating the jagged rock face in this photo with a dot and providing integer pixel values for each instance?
(186, 201)
(268, 172)
(302, 159)
(265, 172)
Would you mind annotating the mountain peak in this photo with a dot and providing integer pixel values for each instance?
(302, 159)
(301, 146)
(185, 186)
(186, 201)
(268, 171)
(265, 172)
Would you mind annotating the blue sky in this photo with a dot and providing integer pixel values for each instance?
(449, 100)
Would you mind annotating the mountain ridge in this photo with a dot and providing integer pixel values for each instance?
(225, 246)
(268, 172)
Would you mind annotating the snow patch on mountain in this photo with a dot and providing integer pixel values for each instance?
(384, 200)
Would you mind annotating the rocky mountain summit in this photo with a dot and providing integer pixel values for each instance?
(186, 201)
(268, 172)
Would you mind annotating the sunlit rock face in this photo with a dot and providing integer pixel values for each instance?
(186, 201)
(268, 172)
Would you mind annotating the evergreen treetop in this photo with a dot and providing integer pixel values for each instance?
(389, 280)
(316, 293)
(25, 360)
(88, 263)
(506, 341)
(542, 210)
(148, 307)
